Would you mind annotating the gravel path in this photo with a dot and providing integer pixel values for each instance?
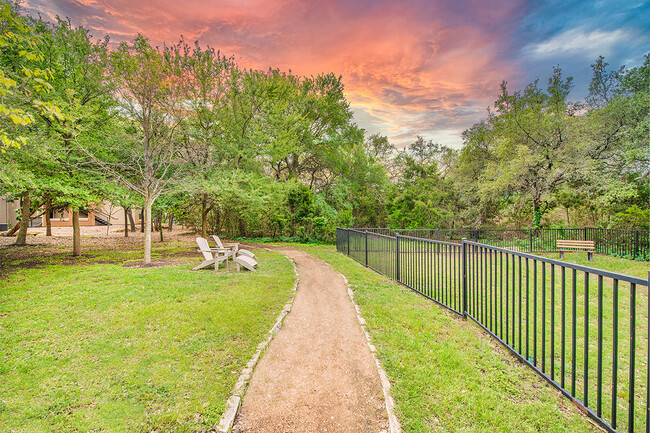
(318, 374)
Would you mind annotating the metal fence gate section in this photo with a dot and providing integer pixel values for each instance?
(582, 329)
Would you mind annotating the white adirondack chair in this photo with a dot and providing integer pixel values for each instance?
(232, 248)
(243, 252)
(213, 256)
(238, 251)
(247, 262)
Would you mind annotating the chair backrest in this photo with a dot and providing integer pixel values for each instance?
(218, 241)
(204, 247)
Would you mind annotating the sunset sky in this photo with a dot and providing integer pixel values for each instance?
(420, 67)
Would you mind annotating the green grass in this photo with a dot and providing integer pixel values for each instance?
(103, 347)
(447, 374)
(633, 268)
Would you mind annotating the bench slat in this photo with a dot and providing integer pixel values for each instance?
(565, 243)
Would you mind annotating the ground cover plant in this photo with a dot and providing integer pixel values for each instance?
(447, 374)
(101, 343)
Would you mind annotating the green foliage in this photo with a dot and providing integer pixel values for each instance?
(423, 197)
(632, 217)
(537, 151)
(23, 82)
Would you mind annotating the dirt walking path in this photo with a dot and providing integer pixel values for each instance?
(318, 374)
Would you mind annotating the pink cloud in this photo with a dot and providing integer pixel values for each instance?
(409, 67)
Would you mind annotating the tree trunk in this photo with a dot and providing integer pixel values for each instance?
(142, 217)
(160, 225)
(108, 222)
(171, 221)
(13, 230)
(25, 213)
(76, 233)
(538, 213)
(126, 222)
(132, 221)
(204, 216)
(146, 223)
(48, 211)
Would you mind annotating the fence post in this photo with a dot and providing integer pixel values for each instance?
(464, 278)
(530, 233)
(366, 248)
(397, 276)
(636, 244)
(584, 236)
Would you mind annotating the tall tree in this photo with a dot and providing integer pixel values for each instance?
(206, 145)
(80, 91)
(24, 83)
(530, 145)
(151, 88)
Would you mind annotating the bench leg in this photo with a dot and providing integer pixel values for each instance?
(561, 254)
(590, 256)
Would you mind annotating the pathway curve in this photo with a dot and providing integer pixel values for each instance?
(318, 374)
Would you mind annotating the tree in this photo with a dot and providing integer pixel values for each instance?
(80, 92)
(205, 147)
(151, 89)
(22, 81)
(305, 128)
(530, 146)
(614, 133)
(422, 197)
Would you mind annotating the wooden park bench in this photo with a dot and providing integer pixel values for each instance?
(574, 246)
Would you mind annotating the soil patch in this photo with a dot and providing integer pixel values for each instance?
(42, 250)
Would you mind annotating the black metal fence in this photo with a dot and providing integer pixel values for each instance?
(633, 244)
(582, 329)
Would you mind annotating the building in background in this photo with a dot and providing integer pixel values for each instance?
(99, 215)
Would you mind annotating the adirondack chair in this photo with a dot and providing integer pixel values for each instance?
(235, 247)
(213, 256)
(247, 262)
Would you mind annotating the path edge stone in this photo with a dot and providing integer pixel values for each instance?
(393, 423)
(234, 401)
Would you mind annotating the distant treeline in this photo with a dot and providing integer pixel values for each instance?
(183, 130)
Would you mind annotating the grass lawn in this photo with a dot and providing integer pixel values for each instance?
(633, 268)
(447, 374)
(92, 345)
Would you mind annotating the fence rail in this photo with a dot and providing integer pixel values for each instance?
(582, 329)
(634, 244)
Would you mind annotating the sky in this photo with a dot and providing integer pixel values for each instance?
(421, 67)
